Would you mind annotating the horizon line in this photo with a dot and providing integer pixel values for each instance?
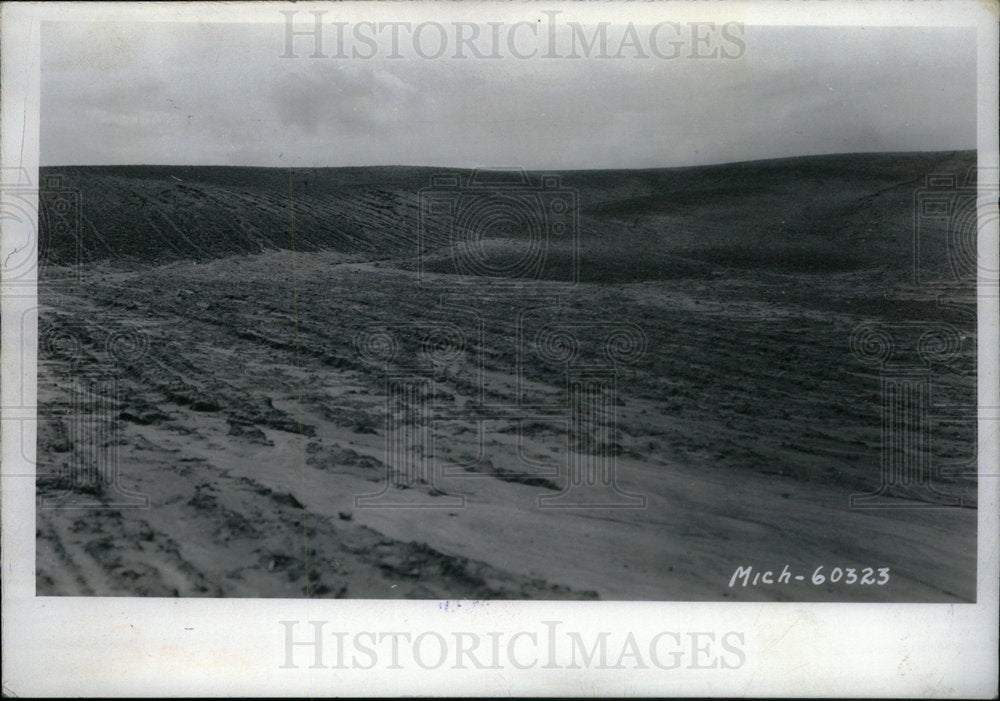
(831, 154)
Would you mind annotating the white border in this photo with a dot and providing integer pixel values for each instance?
(136, 646)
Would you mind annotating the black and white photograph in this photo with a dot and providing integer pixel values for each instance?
(537, 304)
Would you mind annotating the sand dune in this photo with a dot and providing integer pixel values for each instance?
(212, 336)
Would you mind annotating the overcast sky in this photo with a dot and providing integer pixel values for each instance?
(220, 94)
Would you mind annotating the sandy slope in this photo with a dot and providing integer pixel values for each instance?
(230, 333)
(746, 426)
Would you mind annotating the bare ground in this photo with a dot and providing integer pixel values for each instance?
(248, 416)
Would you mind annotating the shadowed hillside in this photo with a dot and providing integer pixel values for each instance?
(808, 214)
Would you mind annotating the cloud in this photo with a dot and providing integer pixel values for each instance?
(336, 98)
